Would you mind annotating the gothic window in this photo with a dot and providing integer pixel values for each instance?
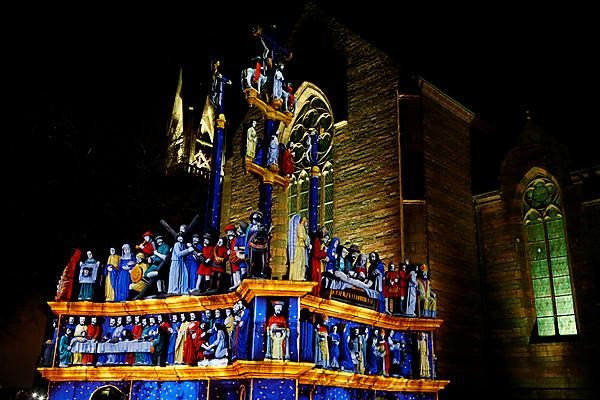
(313, 118)
(548, 256)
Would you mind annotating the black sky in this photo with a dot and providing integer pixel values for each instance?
(95, 89)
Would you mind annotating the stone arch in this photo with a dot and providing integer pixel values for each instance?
(108, 392)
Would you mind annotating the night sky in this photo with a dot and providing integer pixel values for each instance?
(95, 90)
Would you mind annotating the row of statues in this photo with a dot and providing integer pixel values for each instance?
(204, 265)
(215, 338)
(366, 350)
(203, 339)
(342, 267)
(208, 265)
(279, 157)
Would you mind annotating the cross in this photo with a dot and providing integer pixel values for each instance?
(148, 282)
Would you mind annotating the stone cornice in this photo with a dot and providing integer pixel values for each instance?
(175, 304)
(333, 308)
(304, 372)
(434, 93)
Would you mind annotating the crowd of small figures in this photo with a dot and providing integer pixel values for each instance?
(219, 337)
(204, 266)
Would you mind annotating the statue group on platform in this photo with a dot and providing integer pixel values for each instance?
(361, 349)
(204, 265)
(344, 273)
(265, 74)
(197, 338)
(214, 266)
(279, 157)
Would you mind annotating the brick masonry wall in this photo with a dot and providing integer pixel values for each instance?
(452, 245)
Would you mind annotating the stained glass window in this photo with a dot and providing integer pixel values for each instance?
(548, 257)
(314, 119)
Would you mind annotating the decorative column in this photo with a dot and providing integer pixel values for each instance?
(216, 98)
(265, 203)
(313, 196)
(215, 208)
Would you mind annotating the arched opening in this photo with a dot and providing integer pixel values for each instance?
(548, 254)
(107, 393)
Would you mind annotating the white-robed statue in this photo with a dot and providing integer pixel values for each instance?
(297, 248)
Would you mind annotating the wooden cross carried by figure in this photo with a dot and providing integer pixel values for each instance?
(148, 282)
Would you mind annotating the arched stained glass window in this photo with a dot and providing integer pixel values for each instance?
(548, 256)
(314, 116)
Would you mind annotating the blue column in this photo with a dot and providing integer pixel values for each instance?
(313, 197)
(266, 187)
(294, 323)
(215, 208)
(265, 201)
(216, 97)
(258, 329)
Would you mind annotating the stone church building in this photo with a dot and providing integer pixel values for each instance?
(514, 270)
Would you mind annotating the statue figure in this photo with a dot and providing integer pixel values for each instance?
(147, 246)
(346, 363)
(240, 248)
(93, 334)
(161, 343)
(383, 348)
(360, 268)
(297, 248)
(216, 90)
(257, 246)
(205, 259)
(192, 261)
(126, 263)
(403, 278)
(334, 349)
(395, 354)
(217, 349)
(278, 333)
(332, 255)
(218, 265)
(289, 100)
(157, 268)
(423, 348)
(240, 342)
(278, 79)
(88, 271)
(411, 294)
(318, 255)
(229, 324)
(233, 257)
(78, 337)
(103, 354)
(64, 348)
(356, 351)
(376, 273)
(321, 345)
(181, 339)
(137, 331)
(178, 274)
(273, 154)
(253, 76)
(286, 159)
(138, 273)
(190, 352)
(391, 287)
(112, 266)
(173, 331)
(251, 140)
(427, 298)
